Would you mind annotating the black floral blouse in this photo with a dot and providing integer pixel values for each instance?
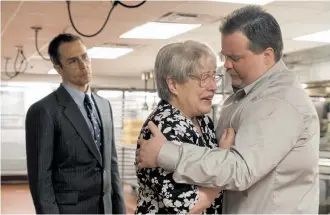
(158, 193)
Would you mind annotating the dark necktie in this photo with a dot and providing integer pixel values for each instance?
(96, 128)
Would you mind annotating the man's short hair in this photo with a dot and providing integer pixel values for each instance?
(259, 26)
(55, 44)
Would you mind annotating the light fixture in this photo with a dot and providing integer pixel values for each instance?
(257, 2)
(322, 36)
(147, 75)
(107, 52)
(52, 72)
(145, 106)
(159, 30)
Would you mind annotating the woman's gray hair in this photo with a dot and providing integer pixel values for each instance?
(179, 60)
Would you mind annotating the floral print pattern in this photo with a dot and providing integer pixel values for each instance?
(158, 193)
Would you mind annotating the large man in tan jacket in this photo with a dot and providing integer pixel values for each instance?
(273, 165)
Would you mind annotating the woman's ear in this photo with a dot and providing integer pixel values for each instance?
(172, 85)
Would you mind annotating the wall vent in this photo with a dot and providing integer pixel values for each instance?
(188, 18)
(122, 45)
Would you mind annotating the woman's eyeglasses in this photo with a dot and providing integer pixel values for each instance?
(206, 78)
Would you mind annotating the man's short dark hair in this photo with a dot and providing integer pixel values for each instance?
(260, 27)
(55, 44)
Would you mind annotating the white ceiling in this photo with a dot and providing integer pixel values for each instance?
(296, 18)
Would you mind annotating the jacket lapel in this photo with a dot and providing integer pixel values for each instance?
(74, 115)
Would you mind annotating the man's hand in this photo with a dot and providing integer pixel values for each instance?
(227, 138)
(146, 156)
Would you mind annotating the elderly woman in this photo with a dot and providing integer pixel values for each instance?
(186, 81)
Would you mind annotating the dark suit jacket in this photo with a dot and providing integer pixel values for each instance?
(66, 171)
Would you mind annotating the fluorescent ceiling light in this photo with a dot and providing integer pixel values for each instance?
(159, 30)
(52, 71)
(107, 52)
(257, 2)
(323, 36)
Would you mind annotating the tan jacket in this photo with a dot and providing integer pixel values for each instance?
(273, 166)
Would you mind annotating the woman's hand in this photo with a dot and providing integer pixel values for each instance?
(227, 138)
(206, 198)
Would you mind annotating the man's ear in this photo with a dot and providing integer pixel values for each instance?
(172, 85)
(58, 69)
(269, 55)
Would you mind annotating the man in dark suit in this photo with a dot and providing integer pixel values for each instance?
(70, 146)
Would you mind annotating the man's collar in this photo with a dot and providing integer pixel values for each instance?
(278, 66)
(77, 95)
